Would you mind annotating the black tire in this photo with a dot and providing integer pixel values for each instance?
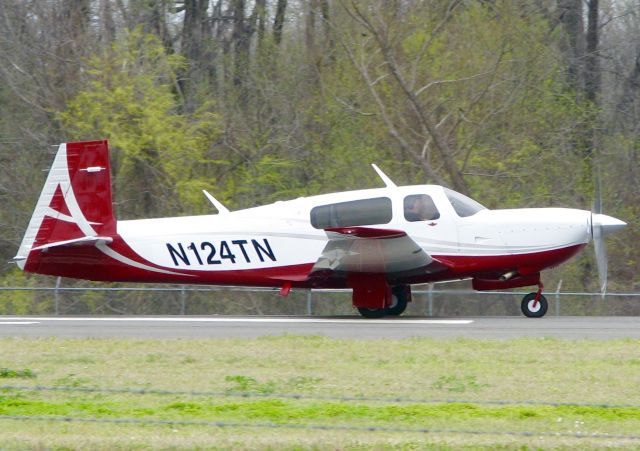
(371, 312)
(398, 301)
(528, 309)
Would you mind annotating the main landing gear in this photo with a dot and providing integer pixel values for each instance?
(534, 305)
(400, 295)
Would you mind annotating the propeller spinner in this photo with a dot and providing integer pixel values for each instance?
(601, 226)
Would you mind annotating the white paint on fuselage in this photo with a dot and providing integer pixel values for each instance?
(522, 231)
(285, 225)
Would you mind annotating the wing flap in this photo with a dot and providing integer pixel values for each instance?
(370, 250)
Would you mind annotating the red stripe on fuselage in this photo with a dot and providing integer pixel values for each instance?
(533, 262)
(88, 262)
(494, 266)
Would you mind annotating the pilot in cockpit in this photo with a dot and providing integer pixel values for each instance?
(420, 207)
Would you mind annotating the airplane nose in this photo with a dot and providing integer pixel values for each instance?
(607, 224)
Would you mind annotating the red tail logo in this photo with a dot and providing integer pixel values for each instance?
(75, 204)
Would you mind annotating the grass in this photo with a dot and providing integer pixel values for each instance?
(466, 371)
(7, 373)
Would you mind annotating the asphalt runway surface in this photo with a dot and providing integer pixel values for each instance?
(172, 327)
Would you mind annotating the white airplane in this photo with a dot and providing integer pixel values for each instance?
(377, 242)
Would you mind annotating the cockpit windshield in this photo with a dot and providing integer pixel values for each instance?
(463, 205)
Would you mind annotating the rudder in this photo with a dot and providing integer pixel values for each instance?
(75, 202)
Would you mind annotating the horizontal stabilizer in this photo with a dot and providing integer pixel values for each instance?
(85, 240)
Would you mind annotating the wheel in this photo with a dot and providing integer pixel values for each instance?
(531, 311)
(371, 312)
(398, 301)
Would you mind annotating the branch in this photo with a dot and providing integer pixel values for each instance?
(427, 43)
(441, 82)
(386, 118)
(439, 142)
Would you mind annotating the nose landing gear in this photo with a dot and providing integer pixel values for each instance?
(534, 305)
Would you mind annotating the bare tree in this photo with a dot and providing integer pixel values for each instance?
(381, 22)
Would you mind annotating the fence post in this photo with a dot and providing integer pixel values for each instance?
(430, 299)
(309, 300)
(558, 298)
(183, 300)
(56, 297)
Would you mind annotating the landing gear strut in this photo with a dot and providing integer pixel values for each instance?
(400, 296)
(534, 305)
(395, 301)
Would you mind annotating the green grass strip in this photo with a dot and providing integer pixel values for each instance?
(277, 410)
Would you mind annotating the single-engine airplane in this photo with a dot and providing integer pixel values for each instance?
(378, 242)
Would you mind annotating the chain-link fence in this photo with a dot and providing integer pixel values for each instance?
(204, 300)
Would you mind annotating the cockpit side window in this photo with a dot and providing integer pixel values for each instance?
(463, 205)
(353, 213)
(420, 207)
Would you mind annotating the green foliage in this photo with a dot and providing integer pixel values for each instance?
(9, 373)
(300, 117)
(268, 178)
(130, 98)
(491, 78)
(22, 302)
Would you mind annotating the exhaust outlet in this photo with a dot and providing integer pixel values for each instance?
(508, 275)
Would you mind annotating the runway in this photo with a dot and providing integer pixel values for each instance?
(199, 327)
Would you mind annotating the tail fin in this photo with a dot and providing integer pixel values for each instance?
(75, 205)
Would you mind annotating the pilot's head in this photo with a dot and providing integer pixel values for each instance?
(421, 208)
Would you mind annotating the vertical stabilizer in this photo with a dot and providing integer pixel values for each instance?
(75, 201)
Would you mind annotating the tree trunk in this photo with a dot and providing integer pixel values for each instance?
(194, 30)
(260, 12)
(571, 18)
(240, 42)
(278, 21)
(592, 67)
(107, 26)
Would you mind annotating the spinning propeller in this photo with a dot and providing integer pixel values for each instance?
(602, 225)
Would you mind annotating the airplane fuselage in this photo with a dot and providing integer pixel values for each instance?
(274, 243)
(376, 241)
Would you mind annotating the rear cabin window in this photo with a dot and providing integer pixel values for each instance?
(420, 207)
(352, 213)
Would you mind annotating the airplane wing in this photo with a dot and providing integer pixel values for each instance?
(370, 250)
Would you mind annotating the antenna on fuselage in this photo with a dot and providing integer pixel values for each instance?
(216, 203)
(385, 178)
